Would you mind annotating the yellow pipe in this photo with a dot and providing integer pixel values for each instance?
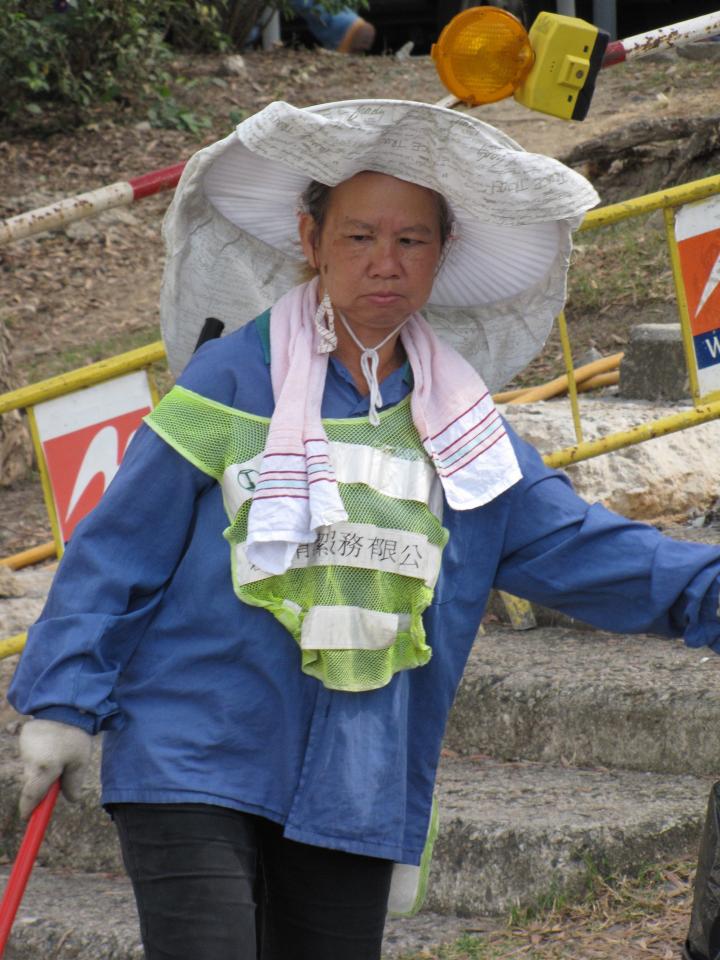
(12, 645)
(507, 396)
(560, 384)
(626, 438)
(608, 379)
(32, 555)
(672, 197)
(84, 377)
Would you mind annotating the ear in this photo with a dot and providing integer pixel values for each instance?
(309, 235)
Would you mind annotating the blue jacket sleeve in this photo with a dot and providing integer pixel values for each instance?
(113, 573)
(602, 568)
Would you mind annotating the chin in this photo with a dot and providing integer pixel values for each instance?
(388, 316)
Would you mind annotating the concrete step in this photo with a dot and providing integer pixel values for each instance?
(69, 916)
(590, 699)
(511, 834)
(76, 916)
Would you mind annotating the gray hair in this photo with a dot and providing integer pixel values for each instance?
(315, 200)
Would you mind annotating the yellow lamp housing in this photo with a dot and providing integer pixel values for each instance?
(568, 55)
(483, 55)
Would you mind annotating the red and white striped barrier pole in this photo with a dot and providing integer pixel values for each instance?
(662, 38)
(120, 194)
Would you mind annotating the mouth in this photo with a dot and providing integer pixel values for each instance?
(383, 298)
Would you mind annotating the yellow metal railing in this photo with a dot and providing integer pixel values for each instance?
(627, 438)
(668, 201)
(649, 202)
(12, 645)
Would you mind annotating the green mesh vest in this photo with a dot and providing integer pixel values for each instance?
(353, 599)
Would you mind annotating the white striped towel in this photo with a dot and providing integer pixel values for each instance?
(297, 491)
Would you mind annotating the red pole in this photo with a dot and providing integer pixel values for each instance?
(20, 873)
(156, 181)
(614, 53)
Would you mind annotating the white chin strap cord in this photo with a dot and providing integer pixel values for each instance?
(369, 363)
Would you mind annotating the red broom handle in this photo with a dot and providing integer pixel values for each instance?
(22, 867)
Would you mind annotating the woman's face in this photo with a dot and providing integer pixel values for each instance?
(378, 249)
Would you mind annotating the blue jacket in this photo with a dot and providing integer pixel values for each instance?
(201, 698)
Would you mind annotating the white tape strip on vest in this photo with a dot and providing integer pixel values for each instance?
(350, 628)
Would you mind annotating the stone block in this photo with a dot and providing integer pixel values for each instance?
(512, 832)
(669, 476)
(654, 364)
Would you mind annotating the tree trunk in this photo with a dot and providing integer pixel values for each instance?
(15, 443)
(640, 133)
(243, 15)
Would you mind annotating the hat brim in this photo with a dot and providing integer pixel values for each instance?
(513, 212)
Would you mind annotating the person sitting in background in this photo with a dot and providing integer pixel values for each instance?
(344, 31)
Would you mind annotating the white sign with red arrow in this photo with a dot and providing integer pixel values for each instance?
(84, 436)
(697, 231)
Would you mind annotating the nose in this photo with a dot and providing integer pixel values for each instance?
(385, 260)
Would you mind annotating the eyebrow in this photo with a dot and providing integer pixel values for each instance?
(410, 228)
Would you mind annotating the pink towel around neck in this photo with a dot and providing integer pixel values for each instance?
(297, 492)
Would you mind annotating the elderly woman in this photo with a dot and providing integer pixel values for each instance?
(273, 704)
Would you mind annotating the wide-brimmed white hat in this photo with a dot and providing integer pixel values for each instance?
(232, 240)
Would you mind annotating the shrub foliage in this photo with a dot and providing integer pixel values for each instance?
(66, 58)
(58, 58)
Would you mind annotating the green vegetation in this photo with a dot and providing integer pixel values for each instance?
(466, 948)
(624, 264)
(62, 63)
(620, 275)
(59, 62)
(65, 361)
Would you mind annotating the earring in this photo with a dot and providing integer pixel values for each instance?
(325, 326)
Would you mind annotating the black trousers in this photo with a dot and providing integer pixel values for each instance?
(216, 884)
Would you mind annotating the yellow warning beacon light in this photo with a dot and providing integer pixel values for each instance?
(485, 54)
(482, 57)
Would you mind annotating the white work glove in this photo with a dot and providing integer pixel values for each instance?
(50, 750)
